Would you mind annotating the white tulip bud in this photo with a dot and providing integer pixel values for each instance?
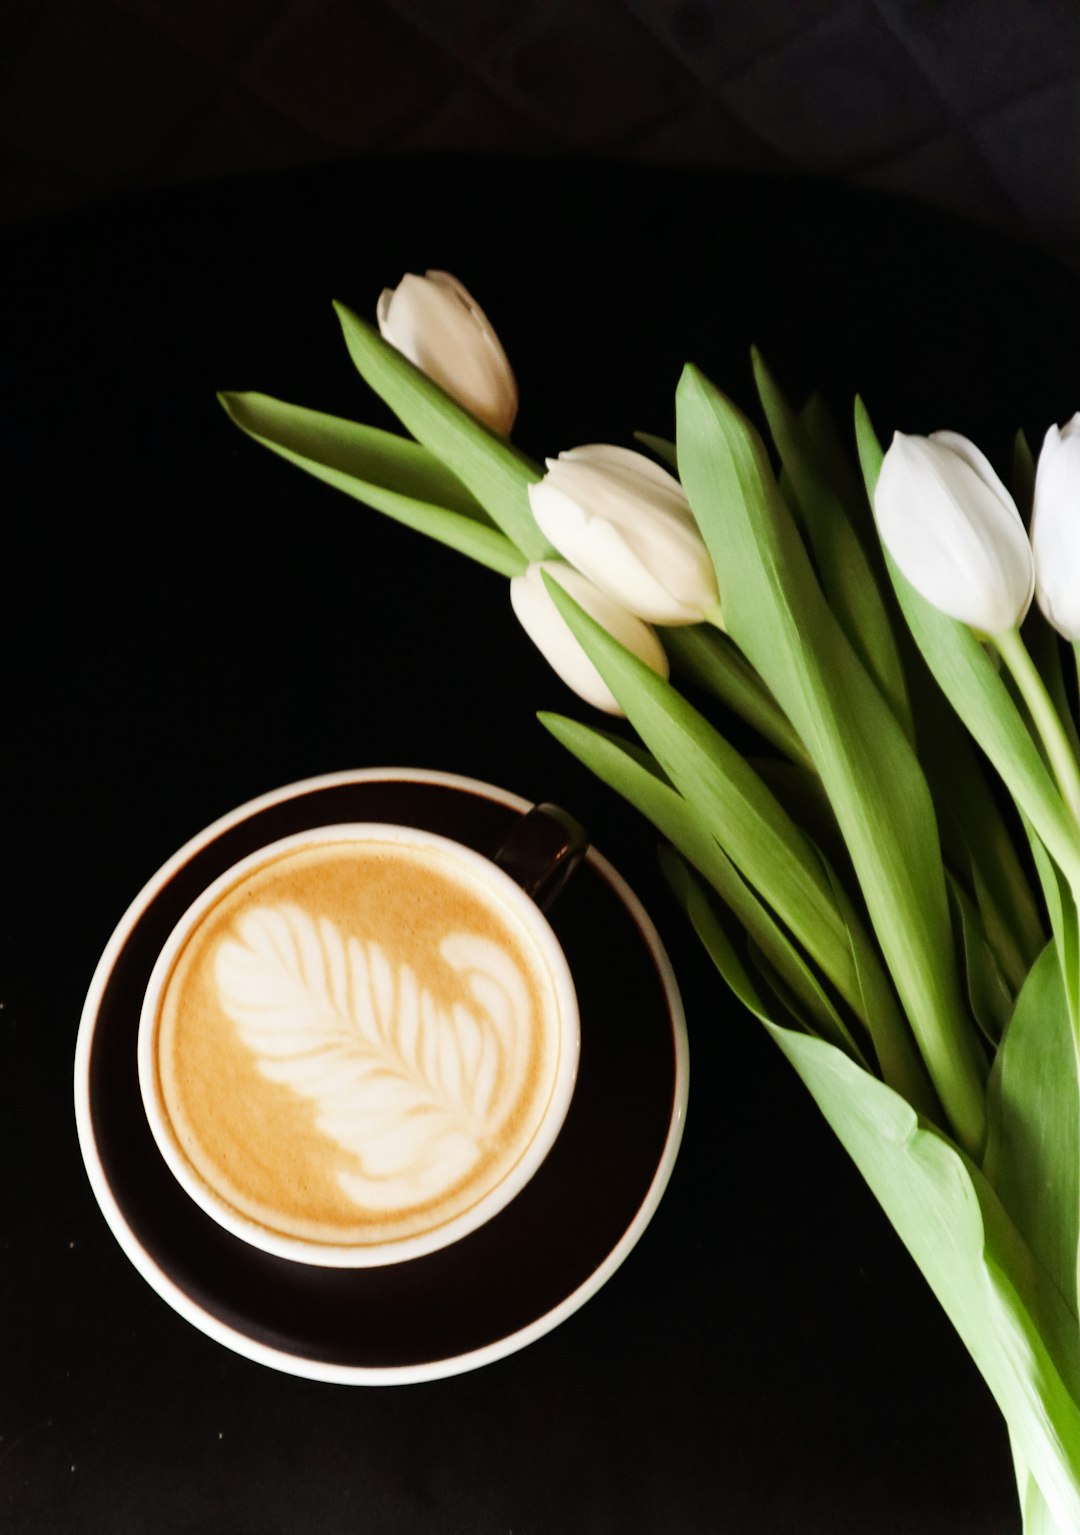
(954, 531)
(439, 326)
(1055, 528)
(550, 633)
(626, 524)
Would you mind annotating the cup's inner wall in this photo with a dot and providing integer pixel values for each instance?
(357, 1042)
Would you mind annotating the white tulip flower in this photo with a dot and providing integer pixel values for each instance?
(627, 525)
(954, 531)
(550, 633)
(1055, 528)
(439, 326)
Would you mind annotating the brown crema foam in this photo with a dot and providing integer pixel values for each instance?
(357, 1042)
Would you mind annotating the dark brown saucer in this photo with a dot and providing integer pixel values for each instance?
(505, 1284)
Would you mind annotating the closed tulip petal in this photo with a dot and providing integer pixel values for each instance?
(437, 324)
(626, 524)
(548, 630)
(954, 531)
(1055, 528)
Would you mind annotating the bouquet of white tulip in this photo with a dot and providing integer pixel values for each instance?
(909, 937)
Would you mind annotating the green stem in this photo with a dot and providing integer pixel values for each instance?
(715, 616)
(1062, 760)
(1066, 770)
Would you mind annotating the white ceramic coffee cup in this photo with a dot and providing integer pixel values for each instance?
(285, 981)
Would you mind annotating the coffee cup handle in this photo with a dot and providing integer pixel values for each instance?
(542, 851)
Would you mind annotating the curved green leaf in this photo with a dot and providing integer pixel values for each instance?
(390, 474)
(496, 473)
(1033, 1148)
(847, 577)
(1008, 1314)
(686, 830)
(712, 662)
(775, 612)
(743, 815)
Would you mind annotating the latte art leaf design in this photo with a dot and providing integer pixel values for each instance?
(414, 1088)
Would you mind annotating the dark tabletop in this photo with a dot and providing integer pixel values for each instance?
(189, 622)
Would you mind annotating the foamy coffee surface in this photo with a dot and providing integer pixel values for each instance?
(357, 1042)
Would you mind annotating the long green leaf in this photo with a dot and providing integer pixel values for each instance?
(777, 615)
(1005, 1308)
(712, 662)
(969, 679)
(710, 930)
(1064, 922)
(706, 923)
(686, 830)
(496, 473)
(1033, 1148)
(661, 447)
(743, 815)
(847, 577)
(390, 474)
(1008, 1314)
(990, 998)
(832, 454)
(977, 841)
(978, 845)
(1034, 1510)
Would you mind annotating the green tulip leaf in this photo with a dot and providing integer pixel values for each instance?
(710, 930)
(1005, 1309)
(661, 448)
(713, 663)
(743, 815)
(846, 574)
(776, 613)
(1033, 1148)
(977, 843)
(494, 471)
(839, 467)
(1064, 923)
(686, 830)
(988, 994)
(1003, 1305)
(391, 474)
(1038, 1519)
(971, 682)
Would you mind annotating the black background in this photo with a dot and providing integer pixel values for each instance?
(189, 622)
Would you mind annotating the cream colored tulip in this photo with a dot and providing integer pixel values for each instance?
(626, 524)
(437, 324)
(550, 633)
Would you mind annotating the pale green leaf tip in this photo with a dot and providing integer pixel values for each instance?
(232, 403)
(692, 377)
(558, 593)
(565, 730)
(350, 320)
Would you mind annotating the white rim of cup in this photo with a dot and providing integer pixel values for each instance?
(325, 1254)
(319, 1369)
